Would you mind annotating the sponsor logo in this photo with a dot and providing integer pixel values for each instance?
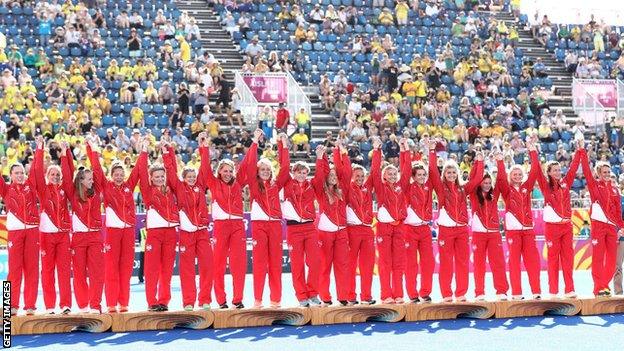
(594, 241)
(10, 244)
(148, 248)
(182, 249)
(441, 242)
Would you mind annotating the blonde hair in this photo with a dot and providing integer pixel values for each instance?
(513, 168)
(300, 164)
(452, 164)
(601, 164)
(117, 165)
(53, 167)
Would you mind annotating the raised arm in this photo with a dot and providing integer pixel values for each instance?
(434, 173)
(322, 170)
(133, 179)
(37, 173)
(98, 174)
(375, 173)
(171, 167)
(476, 175)
(248, 169)
(574, 165)
(143, 170)
(204, 175)
(343, 167)
(541, 178)
(68, 175)
(284, 160)
(501, 178)
(405, 165)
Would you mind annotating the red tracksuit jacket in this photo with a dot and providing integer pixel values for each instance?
(452, 198)
(20, 201)
(606, 206)
(519, 215)
(332, 207)
(53, 201)
(389, 196)
(191, 199)
(487, 214)
(299, 197)
(418, 197)
(264, 193)
(282, 118)
(557, 194)
(86, 215)
(160, 204)
(118, 200)
(359, 198)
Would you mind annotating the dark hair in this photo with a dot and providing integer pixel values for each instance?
(551, 181)
(83, 193)
(488, 196)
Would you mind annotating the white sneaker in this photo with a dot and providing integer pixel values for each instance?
(570, 295)
(50, 311)
(188, 308)
(460, 299)
(314, 301)
(275, 304)
(83, 310)
(30, 312)
(257, 304)
(501, 297)
(95, 311)
(480, 298)
(388, 301)
(399, 301)
(447, 299)
(206, 307)
(517, 298)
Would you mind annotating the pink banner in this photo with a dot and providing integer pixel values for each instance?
(268, 89)
(605, 91)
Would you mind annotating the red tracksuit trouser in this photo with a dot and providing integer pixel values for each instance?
(454, 258)
(23, 249)
(230, 242)
(419, 253)
(303, 242)
(334, 252)
(604, 253)
(391, 248)
(160, 253)
(560, 251)
(522, 245)
(56, 256)
(267, 258)
(88, 263)
(192, 246)
(362, 256)
(490, 246)
(119, 258)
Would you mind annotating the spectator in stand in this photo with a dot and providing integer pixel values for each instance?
(181, 140)
(304, 121)
(300, 141)
(254, 50)
(539, 69)
(165, 94)
(282, 118)
(401, 11)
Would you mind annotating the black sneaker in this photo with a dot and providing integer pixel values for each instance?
(238, 305)
(66, 311)
(326, 303)
(604, 293)
(343, 302)
(163, 308)
(224, 306)
(154, 308)
(415, 300)
(353, 303)
(425, 299)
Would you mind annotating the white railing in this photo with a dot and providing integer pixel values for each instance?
(247, 103)
(587, 106)
(297, 98)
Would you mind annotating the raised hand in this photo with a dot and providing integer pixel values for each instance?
(257, 135)
(580, 144)
(376, 143)
(479, 156)
(320, 151)
(64, 147)
(432, 144)
(284, 139)
(531, 146)
(39, 141)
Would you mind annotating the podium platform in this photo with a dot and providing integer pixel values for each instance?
(57, 323)
(533, 308)
(258, 317)
(126, 322)
(602, 305)
(449, 310)
(357, 314)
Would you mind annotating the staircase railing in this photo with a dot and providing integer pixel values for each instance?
(248, 104)
(620, 104)
(297, 98)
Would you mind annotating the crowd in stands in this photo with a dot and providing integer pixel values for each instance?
(117, 72)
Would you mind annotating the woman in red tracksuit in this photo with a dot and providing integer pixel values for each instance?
(22, 224)
(54, 226)
(194, 242)
(606, 223)
(390, 232)
(120, 219)
(360, 231)
(331, 187)
(226, 192)
(266, 225)
(453, 223)
(557, 222)
(486, 237)
(418, 192)
(519, 225)
(161, 221)
(86, 240)
(299, 212)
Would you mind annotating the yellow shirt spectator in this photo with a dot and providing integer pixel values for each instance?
(300, 139)
(185, 51)
(402, 10)
(136, 116)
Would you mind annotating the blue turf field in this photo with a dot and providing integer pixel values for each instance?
(544, 333)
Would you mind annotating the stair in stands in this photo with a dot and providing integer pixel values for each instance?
(562, 80)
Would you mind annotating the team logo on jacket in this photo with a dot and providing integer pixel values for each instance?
(61, 192)
(27, 188)
(182, 249)
(564, 185)
(474, 247)
(407, 245)
(213, 241)
(106, 248)
(254, 243)
(73, 252)
(10, 244)
(379, 239)
(365, 190)
(595, 242)
(397, 189)
(196, 189)
(43, 253)
(126, 190)
(320, 243)
(148, 247)
(510, 241)
(549, 243)
(441, 242)
(524, 191)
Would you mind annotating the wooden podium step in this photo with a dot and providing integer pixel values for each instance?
(602, 305)
(125, 322)
(449, 310)
(357, 314)
(46, 324)
(259, 317)
(533, 308)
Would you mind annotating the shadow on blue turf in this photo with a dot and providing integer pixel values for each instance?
(302, 333)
